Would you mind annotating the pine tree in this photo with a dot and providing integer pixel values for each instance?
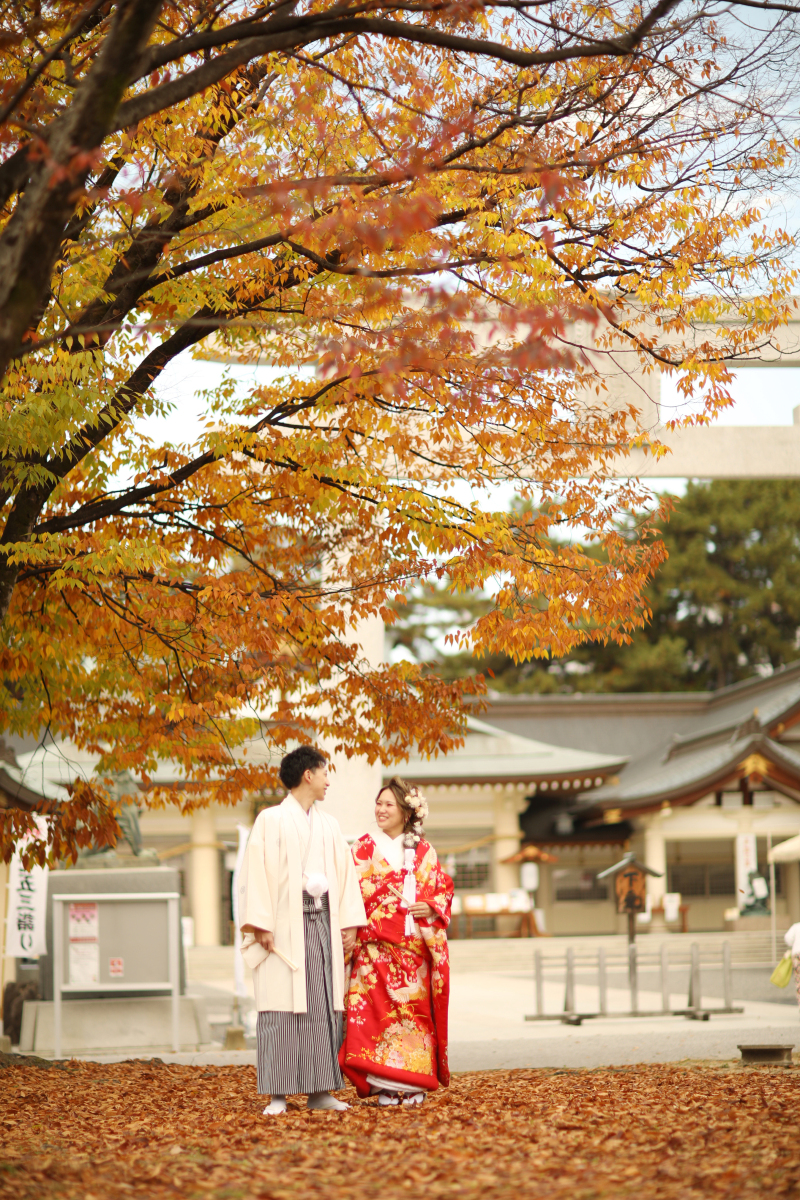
(725, 604)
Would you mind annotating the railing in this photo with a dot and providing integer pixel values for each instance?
(602, 962)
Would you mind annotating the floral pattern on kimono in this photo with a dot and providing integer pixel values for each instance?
(399, 988)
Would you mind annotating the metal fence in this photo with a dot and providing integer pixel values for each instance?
(603, 962)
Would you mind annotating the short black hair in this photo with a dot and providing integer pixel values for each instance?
(295, 764)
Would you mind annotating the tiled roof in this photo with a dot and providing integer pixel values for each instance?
(50, 769)
(491, 754)
(655, 778)
(636, 724)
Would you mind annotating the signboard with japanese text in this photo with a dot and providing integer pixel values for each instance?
(84, 943)
(631, 889)
(27, 907)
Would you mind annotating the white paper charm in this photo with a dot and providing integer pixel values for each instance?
(316, 885)
(409, 890)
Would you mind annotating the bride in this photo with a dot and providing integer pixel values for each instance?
(396, 1037)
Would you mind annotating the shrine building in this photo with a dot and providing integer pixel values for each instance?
(706, 774)
(685, 780)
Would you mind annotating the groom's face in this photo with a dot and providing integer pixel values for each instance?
(318, 781)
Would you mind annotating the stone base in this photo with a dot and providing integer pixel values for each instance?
(113, 1026)
(110, 860)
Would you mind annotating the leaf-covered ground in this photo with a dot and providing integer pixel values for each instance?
(147, 1130)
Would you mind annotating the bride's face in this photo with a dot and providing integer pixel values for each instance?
(388, 816)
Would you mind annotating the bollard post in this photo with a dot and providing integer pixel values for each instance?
(602, 981)
(633, 977)
(537, 974)
(694, 978)
(569, 990)
(665, 1004)
(727, 982)
(58, 971)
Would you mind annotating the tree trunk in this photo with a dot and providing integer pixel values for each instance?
(32, 239)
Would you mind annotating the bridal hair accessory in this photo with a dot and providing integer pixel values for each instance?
(317, 886)
(419, 805)
(418, 802)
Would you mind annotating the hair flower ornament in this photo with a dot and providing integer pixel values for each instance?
(417, 801)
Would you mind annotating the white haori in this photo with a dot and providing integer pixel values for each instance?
(287, 849)
(792, 938)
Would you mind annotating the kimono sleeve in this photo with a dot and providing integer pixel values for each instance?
(441, 898)
(256, 905)
(351, 903)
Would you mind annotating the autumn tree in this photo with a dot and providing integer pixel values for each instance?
(420, 215)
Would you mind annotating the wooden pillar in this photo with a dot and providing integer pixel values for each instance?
(355, 782)
(508, 837)
(791, 889)
(655, 857)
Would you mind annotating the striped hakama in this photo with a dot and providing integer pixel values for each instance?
(298, 1052)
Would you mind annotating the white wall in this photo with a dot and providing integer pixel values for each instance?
(354, 782)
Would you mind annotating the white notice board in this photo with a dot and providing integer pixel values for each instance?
(84, 942)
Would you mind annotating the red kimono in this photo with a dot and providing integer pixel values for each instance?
(399, 987)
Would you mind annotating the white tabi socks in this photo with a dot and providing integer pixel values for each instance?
(325, 1100)
(276, 1106)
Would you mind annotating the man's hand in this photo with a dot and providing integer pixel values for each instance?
(265, 939)
(422, 911)
(349, 939)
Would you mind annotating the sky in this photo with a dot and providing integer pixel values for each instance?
(762, 396)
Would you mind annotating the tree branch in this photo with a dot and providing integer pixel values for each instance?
(31, 240)
(26, 86)
(270, 38)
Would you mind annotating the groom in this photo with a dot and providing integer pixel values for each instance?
(299, 907)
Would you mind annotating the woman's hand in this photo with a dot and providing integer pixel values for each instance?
(422, 911)
(349, 939)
